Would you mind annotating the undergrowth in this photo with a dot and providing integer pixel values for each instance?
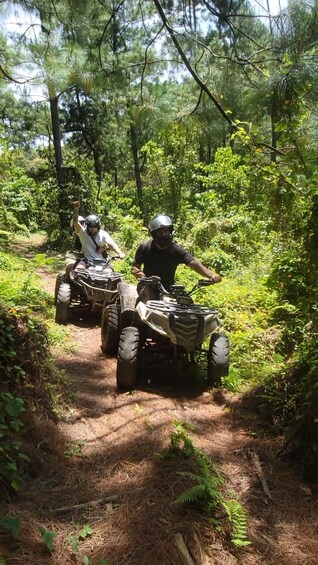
(245, 308)
(30, 386)
(208, 491)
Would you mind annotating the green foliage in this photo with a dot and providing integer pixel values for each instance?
(126, 230)
(13, 525)
(226, 180)
(10, 425)
(291, 278)
(169, 171)
(245, 306)
(222, 241)
(23, 289)
(17, 193)
(74, 449)
(48, 537)
(180, 441)
(238, 517)
(8, 360)
(289, 275)
(292, 395)
(24, 362)
(82, 533)
(206, 492)
(56, 263)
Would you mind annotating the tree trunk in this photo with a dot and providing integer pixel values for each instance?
(134, 146)
(273, 117)
(62, 199)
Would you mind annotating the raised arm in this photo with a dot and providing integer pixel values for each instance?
(76, 224)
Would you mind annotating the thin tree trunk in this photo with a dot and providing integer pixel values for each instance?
(274, 133)
(59, 165)
(134, 146)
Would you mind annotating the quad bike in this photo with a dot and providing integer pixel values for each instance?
(95, 286)
(173, 329)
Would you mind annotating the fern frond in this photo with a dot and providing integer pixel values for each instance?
(238, 517)
(194, 494)
(206, 490)
(190, 475)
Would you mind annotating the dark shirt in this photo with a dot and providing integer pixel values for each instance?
(162, 262)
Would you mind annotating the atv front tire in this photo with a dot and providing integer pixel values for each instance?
(218, 359)
(110, 329)
(127, 358)
(60, 278)
(63, 303)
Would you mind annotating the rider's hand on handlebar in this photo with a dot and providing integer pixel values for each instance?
(216, 278)
(122, 255)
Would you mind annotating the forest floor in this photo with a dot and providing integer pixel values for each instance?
(105, 473)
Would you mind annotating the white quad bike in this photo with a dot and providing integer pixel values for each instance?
(93, 287)
(173, 329)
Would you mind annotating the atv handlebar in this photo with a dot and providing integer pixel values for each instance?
(175, 290)
(92, 262)
(205, 282)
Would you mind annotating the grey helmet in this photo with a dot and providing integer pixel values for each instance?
(161, 221)
(92, 221)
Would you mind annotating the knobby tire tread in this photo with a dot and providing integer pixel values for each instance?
(63, 303)
(127, 358)
(218, 359)
(110, 329)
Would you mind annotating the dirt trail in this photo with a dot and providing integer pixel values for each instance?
(114, 440)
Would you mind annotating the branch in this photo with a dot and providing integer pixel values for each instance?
(6, 75)
(114, 12)
(279, 151)
(258, 466)
(111, 498)
(197, 104)
(189, 67)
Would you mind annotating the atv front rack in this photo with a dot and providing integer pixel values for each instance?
(185, 326)
(104, 292)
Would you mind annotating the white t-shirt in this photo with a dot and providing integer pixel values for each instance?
(88, 245)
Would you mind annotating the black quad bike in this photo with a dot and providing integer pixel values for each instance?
(93, 287)
(171, 329)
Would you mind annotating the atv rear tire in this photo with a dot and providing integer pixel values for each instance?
(127, 358)
(60, 278)
(218, 359)
(63, 303)
(110, 329)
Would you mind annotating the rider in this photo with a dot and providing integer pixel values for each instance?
(161, 256)
(94, 240)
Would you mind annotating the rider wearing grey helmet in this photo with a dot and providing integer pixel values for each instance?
(155, 225)
(161, 256)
